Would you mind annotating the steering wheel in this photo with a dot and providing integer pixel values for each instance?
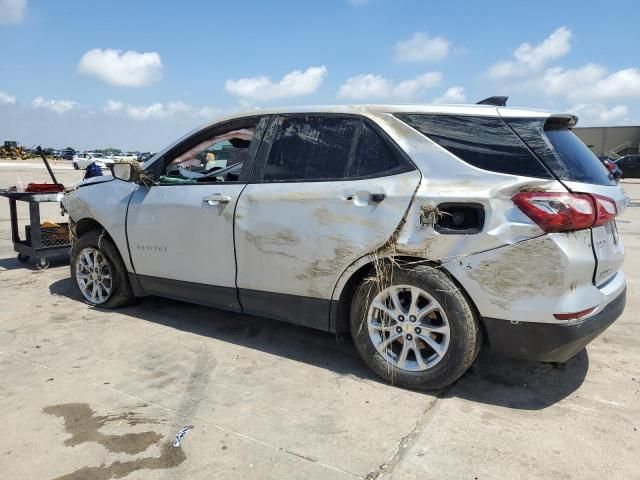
(212, 169)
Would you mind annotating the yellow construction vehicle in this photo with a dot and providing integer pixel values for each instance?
(13, 151)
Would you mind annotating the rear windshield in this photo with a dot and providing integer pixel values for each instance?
(484, 142)
(562, 151)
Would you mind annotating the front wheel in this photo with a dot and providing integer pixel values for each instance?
(98, 272)
(416, 330)
(75, 166)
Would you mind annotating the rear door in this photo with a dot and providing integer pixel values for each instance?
(577, 167)
(328, 190)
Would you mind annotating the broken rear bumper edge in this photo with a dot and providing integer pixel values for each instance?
(550, 342)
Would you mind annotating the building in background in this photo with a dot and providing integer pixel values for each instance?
(611, 142)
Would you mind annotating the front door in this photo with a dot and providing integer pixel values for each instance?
(181, 241)
(180, 231)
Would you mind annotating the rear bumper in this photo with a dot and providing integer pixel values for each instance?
(550, 342)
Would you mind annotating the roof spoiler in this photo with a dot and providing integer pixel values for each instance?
(496, 101)
(560, 120)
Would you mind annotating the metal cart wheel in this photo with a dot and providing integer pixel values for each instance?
(23, 258)
(42, 263)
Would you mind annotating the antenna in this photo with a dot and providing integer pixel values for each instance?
(496, 101)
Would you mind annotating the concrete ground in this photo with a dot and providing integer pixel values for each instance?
(91, 394)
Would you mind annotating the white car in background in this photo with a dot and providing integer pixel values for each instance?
(83, 160)
(124, 157)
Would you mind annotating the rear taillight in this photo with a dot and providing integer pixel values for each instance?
(611, 166)
(565, 212)
(606, 210)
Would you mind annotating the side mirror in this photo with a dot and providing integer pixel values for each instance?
(124, 171)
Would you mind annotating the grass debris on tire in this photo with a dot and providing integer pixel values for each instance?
(415, 327)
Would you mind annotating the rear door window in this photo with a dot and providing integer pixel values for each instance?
(562, 151)
(484, 142)
(372, 155)
(310, 149)
(315, 148)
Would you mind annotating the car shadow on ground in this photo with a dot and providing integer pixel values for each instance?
(492, 380)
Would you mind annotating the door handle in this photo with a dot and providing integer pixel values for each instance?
(365, 198)
(216, 199)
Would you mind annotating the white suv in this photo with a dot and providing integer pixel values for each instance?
(82, 161)
(421, 230)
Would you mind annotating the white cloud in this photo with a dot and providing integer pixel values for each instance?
(113, 106)
(12, 11)
(87, 128)
(58, 106)
(528, 58)
(155, 110)
(422, 48)
(6, 99)
(370, 86)
(160, 110)
(365, 86)
(586, 85)
(590, 82)
(452, 95)
(598, 114)
(409, 89)
(209, 112)
(122, 69)
(293, 84)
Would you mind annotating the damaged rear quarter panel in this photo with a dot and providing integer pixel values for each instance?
(530, 280)
(447, 179)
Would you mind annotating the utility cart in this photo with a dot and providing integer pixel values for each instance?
(40, 241)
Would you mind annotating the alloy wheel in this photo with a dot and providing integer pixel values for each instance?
(94, 275)
(408, 327)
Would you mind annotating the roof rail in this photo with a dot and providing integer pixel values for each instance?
(497, 101)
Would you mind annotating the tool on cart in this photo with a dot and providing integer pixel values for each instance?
(41, 240)
(45, 187)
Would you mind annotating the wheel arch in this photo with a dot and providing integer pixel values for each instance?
(357, 272)
(88, 224)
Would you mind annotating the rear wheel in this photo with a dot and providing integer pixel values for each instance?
(98, 272)
(75, 166)
(417, 330)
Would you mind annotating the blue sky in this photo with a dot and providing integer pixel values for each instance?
(66, 76)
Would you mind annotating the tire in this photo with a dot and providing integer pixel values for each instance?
(23, 258)
(42, 263)
(75, 166)
(110, 262)
(453, 328)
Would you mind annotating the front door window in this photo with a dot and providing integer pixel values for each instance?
(216, 159)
